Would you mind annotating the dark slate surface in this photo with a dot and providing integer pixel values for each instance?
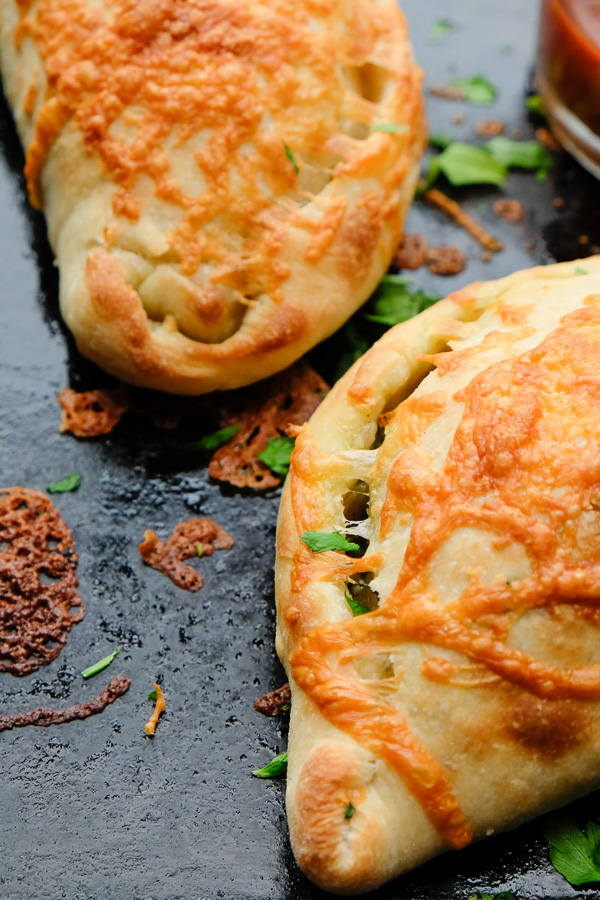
(95, 809)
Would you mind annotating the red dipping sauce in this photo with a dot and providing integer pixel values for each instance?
(568, 75)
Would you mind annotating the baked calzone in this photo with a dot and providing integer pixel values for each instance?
(445, 672)
(224, 181)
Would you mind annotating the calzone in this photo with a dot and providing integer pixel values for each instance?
(445, 672)
(224, 181)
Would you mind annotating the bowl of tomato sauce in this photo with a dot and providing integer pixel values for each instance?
(568, 75)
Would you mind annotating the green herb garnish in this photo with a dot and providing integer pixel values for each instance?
(441, 141)
(291, 157)
(287, 706)
(275, 769)
(466, 164)
(210, 442)
(319, 541)
(152, 695)
(357, 608)
(393, 302)
(520, 154)
(277, 454)
(503, 895)
(535, 104)
(440, 29)
(101, 664)
(199, 549)
(580, 271)
(573, 853)
(390, 128)
(70, 483)
(350, 810)
(476, 89)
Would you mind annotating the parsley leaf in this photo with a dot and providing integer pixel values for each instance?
(152, 695)
(70, 483)
(357, 344)
(580, 271)
(535, 104)
(466, 164)
(574, 854)
(210, 442)
(519, 154)
(393, 302)
(319, 541)
(350, 810)
(440, 29)
(441, 141)
(476, 89)
(357, 608)
(199, 549)
(390, 128)
(275, 769)
(101, 664)
(277, 454)
(291, 157)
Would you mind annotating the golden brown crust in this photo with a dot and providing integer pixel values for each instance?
(477, 671)
(218, 196)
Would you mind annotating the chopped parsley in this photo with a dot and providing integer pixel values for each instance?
(580, 271)
(152, 695)
(573, 853)
(440, 29)
(390, 128)
(291, 157)
(319, 541)
(277, 454)
(70, 483)
(101, 664)
(211, 442)
(535, 104)
(199, 549)
(357, 608)
(350, 810)
(503, 895)
(441, 141)
(476, 90)
(393, 302)
(275, 769)
(486, 164)
(520, 154)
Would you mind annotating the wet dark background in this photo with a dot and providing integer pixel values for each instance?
(95, 809)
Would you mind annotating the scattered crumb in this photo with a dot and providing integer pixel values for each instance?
(517, 134)
(547, 139)
(272, 704)
(150, 726)
(458, 118)
(288, 398)
(486, 256)
(490, 127)
(168, 558)
(44, 716)
(91, 413)
(511, 210)
(528, 245)
(559, 202)
(583, 239)
(446, 92)
(457, 213)
(412, 252)
(445, 260)
(39, 603)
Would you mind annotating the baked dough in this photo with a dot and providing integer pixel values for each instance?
(464, 451)
(163, 139)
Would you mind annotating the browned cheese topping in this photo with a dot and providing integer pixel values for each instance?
(274, 702)
(38, 598)
(289, 398)
(43, 716)
(90, 413)
(182, 544)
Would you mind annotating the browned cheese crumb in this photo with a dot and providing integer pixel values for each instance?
(411, 252)
(490, 127)
(90, 413)
(455, 211)
(289, 398)
(511, 210)
(445, 260)
(272, 704)
(38, 599)
(547, 140)
(43, 716)
(168, 558)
